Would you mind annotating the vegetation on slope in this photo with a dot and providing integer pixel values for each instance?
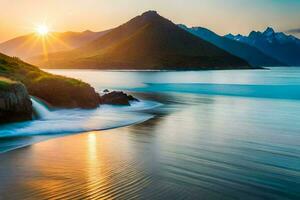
(5, 83)
(57, 90)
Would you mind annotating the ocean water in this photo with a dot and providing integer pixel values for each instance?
(195, 135)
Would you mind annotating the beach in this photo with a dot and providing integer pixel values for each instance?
(97, 165)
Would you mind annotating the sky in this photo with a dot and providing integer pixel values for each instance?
(20, 17)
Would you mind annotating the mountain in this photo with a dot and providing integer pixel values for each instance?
(285, 48)
(148, 41)
(249, 53)
(31, 45)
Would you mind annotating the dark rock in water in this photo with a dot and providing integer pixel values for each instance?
(15, 103)
(117, 98)
(106, 90)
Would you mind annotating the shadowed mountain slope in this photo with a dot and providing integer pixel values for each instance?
(242, 50)
(148, 41)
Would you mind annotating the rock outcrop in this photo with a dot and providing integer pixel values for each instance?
(15, 103)
(59, 91)
(116, 98)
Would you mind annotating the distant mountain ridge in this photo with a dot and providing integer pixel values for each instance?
(285, 48)
(30, 45)
(244, 51)
(148, 41)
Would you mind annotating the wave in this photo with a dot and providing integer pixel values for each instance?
(260, 91)
(78, 120)
(54, 123)
(40, 108)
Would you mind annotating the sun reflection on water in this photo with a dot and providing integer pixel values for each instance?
(93, 172)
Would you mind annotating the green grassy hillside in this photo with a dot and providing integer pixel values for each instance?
(5, 83)
(57, 90)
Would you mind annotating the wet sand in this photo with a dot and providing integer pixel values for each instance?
(79, 166)
(93, 165)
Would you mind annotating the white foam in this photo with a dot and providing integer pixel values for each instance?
(69, 121)
(40, 109)
(134, 106)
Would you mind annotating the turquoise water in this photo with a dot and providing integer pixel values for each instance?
(211, 134)
(235, 133)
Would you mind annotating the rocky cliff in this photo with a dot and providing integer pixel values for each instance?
(15, 103)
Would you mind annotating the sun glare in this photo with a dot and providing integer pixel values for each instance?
(42, 30)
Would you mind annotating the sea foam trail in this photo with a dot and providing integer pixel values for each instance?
(40, 108)
(54, 123)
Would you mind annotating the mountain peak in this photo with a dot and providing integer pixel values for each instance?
(253, 34)
(150, 13)
(183, 26)
(269, 31)
(87, 31)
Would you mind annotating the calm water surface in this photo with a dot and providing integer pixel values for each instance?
(196, 135)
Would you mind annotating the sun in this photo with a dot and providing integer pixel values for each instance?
(42, 30)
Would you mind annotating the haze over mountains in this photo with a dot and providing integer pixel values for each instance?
(31, 45)
(251, 54)
(285, 48)
(148, 41)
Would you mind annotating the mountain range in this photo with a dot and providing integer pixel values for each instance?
(148, 41)
(285, 48)
(30, 45)
(249, 53)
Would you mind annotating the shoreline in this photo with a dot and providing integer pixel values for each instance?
(60, 135)
(159, 70)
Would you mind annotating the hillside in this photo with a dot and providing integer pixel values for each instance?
(148, 41)
(32, 45)
(56, 90)
(249, 53)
